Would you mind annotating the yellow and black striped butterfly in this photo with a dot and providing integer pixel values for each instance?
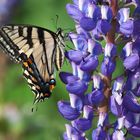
(39, 51)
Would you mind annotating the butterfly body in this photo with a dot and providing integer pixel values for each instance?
(39, 51)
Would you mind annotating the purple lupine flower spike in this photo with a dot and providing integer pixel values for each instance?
(105, 77)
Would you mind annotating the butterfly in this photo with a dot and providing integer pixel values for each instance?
(39, 50)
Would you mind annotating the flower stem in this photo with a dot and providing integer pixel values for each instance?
(110, 39)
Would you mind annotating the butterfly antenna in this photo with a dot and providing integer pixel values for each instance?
(53, 21)
(69, 47)
(56, 21)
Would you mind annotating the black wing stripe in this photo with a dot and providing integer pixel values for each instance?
(41, 40)
(20, 31)
(29, 37)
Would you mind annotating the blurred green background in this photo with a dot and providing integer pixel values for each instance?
(16, 119)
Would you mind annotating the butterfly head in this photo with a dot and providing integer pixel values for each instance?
(61, 35)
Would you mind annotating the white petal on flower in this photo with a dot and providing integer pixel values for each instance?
(68, 130)
(124, 14)
(96, 81)
(91, 8)
(104, 10)
(121, 122)
(137, 118)
(73, 99)
(80, 73)
(118, 135)
(81, 4)
(91, 44)
(118, 97)
(108, 49)
(74, 39)
(119, 86)
(74, 68)
(86, 111)
(128, 49)
(102, 117)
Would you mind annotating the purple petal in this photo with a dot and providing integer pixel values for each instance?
(89, 64)
(94, 47)
(67, 77)
(129, 120)
(93, 11)
(118, 135)
(110, 50)
(127, 50)
(103, 26)
(97, 13)
(82, 124)
(136, 45)
(131, 62)
(96, 34)
(97, 82)
(78, 137)
(130, 102)
(106, 13)
(96, 97)
(81, 31)
(127, 27)
(87, 24)
(99, 134)
(115, 108)
(75, 56)
(71, 131)
(78, 87)
(86, 76)
(65, 137)
(136, 13)
(82, 43)
(136, 30)
(88, 112)
(118, 84)
(74, 12)
(75, 2)
(133, 80)
(103, 119)
(76, 102)
(123, 15)
(135, 130)
(83, 5)
(86, 100)
(67, 111)
(137, 92)
(108, 67)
